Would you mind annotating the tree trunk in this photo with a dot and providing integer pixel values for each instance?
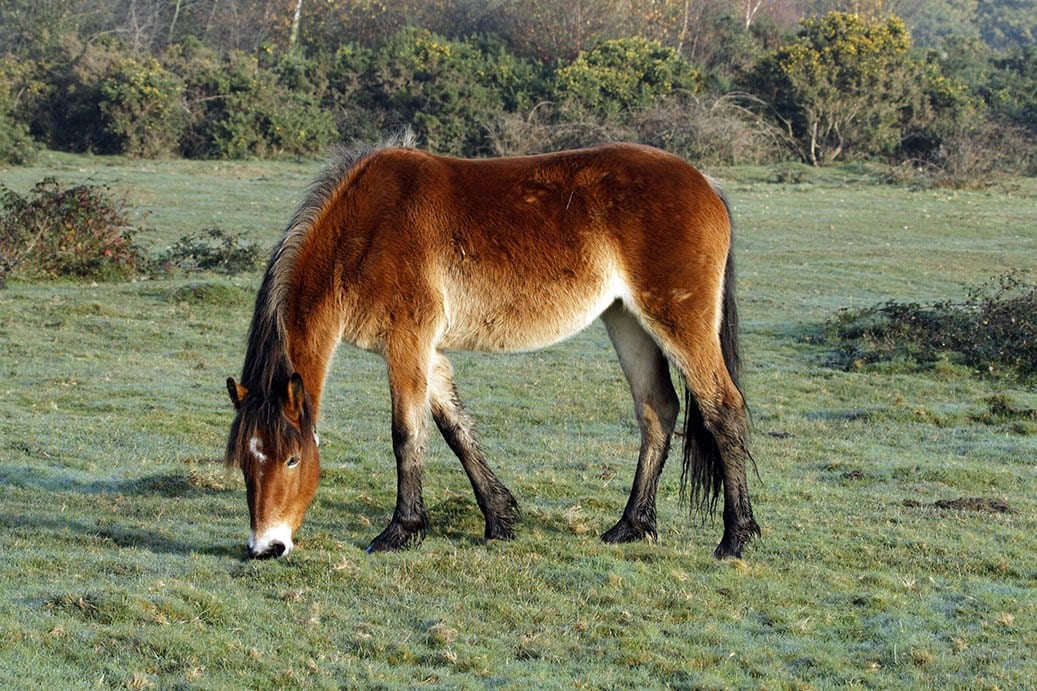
(684, 27)
(172, 23)
(293, 39)
(813, 143)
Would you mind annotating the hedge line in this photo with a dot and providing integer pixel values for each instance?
(476, 98)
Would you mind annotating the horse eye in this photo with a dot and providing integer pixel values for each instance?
(292, 462)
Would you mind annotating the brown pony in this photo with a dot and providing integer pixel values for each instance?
(408, 254)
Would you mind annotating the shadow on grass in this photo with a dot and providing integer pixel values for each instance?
(70, 510)
(452, 519)
(62, 527)
(168, 485)
(456, 518)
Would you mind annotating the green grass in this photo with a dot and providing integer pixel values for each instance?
(122, 560)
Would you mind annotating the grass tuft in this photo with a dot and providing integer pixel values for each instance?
(213, 294)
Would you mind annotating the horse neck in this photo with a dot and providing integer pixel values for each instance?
(313, 331)
(291, 333)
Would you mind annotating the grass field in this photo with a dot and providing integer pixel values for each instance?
(122, 558)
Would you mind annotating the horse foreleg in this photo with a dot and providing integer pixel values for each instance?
(655, 405)
(498, 505)
(408, 385)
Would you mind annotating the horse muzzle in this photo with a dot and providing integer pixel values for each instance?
(271, 543)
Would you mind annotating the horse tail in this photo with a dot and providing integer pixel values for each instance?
(702, 474)
(729, 319)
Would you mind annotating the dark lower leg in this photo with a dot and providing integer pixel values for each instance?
(497, 504)
(410, 519)
(655, 406)
(739, 524)
(638, 521)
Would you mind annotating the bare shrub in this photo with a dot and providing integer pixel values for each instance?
(712, 131)
(718, 131)
(978, 153)
(515, 134)
(214, 249)
(542, 130)
(993, 330)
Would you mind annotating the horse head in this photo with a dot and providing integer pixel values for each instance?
(273, 439)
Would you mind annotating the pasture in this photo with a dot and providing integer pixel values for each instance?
(123, 561)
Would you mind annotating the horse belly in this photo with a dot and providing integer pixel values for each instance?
(526, 315)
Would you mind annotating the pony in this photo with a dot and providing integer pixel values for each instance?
(409, 254)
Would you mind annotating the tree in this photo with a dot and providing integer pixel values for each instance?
(842, 84)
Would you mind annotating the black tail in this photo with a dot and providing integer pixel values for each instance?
(702, 475)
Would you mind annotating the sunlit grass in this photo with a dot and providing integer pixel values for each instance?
(123, 562)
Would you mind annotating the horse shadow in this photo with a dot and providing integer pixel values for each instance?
(453, 517)
(217, 499)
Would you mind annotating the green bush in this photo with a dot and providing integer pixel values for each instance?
(450, 93)
(993, 330)
(845, 86)
(349, 98)
(143, 105)
(75, 232)
(842, 86)
(935, 114)
(67, 114)
(16, 144)
(239, 109)
(100, 98)
(624, 75)
(1012, 88)
(973, 121)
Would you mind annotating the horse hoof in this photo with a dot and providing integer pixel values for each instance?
(501, 512)
(499, 532)
(395, 538)
(731, 543)
(724, 551)
(500, 528)
(626, 531)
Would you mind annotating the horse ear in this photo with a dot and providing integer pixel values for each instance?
(294, 399)
(237, 392)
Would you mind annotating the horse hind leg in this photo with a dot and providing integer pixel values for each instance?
(655, 406)
(715, 448)
(497, 504)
